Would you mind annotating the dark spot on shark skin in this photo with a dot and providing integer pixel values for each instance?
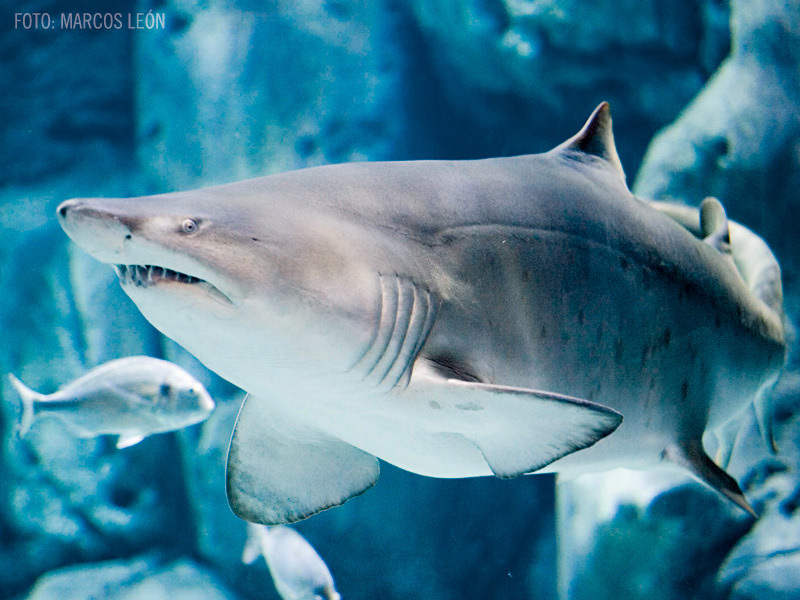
(469, 406)
(684, 390)
(691, 288)
(619, 348)
(435, 405)
(645, 355)
(663, 342)
(593, 393)
(647, 278)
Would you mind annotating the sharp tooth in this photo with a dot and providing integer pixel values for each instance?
(150, 274)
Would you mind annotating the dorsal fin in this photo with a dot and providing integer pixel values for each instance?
(714, 225)
(596, 138)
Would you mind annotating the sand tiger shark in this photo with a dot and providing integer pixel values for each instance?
(454, 318)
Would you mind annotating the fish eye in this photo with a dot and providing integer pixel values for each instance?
(189, 226)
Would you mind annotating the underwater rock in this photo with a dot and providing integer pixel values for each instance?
(66, 500)
(220, 535)
(765, 564)
(631, 534)
(279, 87)
(68, 95)
(526, 67)
(147, 577)
(737, 140)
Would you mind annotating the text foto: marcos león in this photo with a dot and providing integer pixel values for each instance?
(91, 21)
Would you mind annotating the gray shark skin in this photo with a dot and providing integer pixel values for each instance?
(456, 319)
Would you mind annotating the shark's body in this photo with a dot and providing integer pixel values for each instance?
(453, 318)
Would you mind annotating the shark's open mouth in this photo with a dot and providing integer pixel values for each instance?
(147, 275)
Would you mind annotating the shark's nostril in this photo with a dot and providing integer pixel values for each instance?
(64, 208)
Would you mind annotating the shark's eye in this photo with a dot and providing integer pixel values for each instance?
(189, 226)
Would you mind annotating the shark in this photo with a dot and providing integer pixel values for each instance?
(499, 316)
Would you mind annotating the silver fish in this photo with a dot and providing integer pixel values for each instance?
(130, 397)
(297, 570)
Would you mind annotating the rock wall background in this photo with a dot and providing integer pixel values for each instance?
(238, 89)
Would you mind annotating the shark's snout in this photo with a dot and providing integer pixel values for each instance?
(144, 248)
(95, 228)
(89, 209)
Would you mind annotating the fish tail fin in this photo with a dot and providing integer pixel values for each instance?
(692, 456)
(29, 397)
(252, 546)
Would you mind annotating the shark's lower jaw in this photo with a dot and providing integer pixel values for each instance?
(145, 276)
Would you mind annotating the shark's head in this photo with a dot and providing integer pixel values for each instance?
(232, 275)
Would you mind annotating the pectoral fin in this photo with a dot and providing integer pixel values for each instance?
(280, 471)
(517, 430)
(691, 455)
